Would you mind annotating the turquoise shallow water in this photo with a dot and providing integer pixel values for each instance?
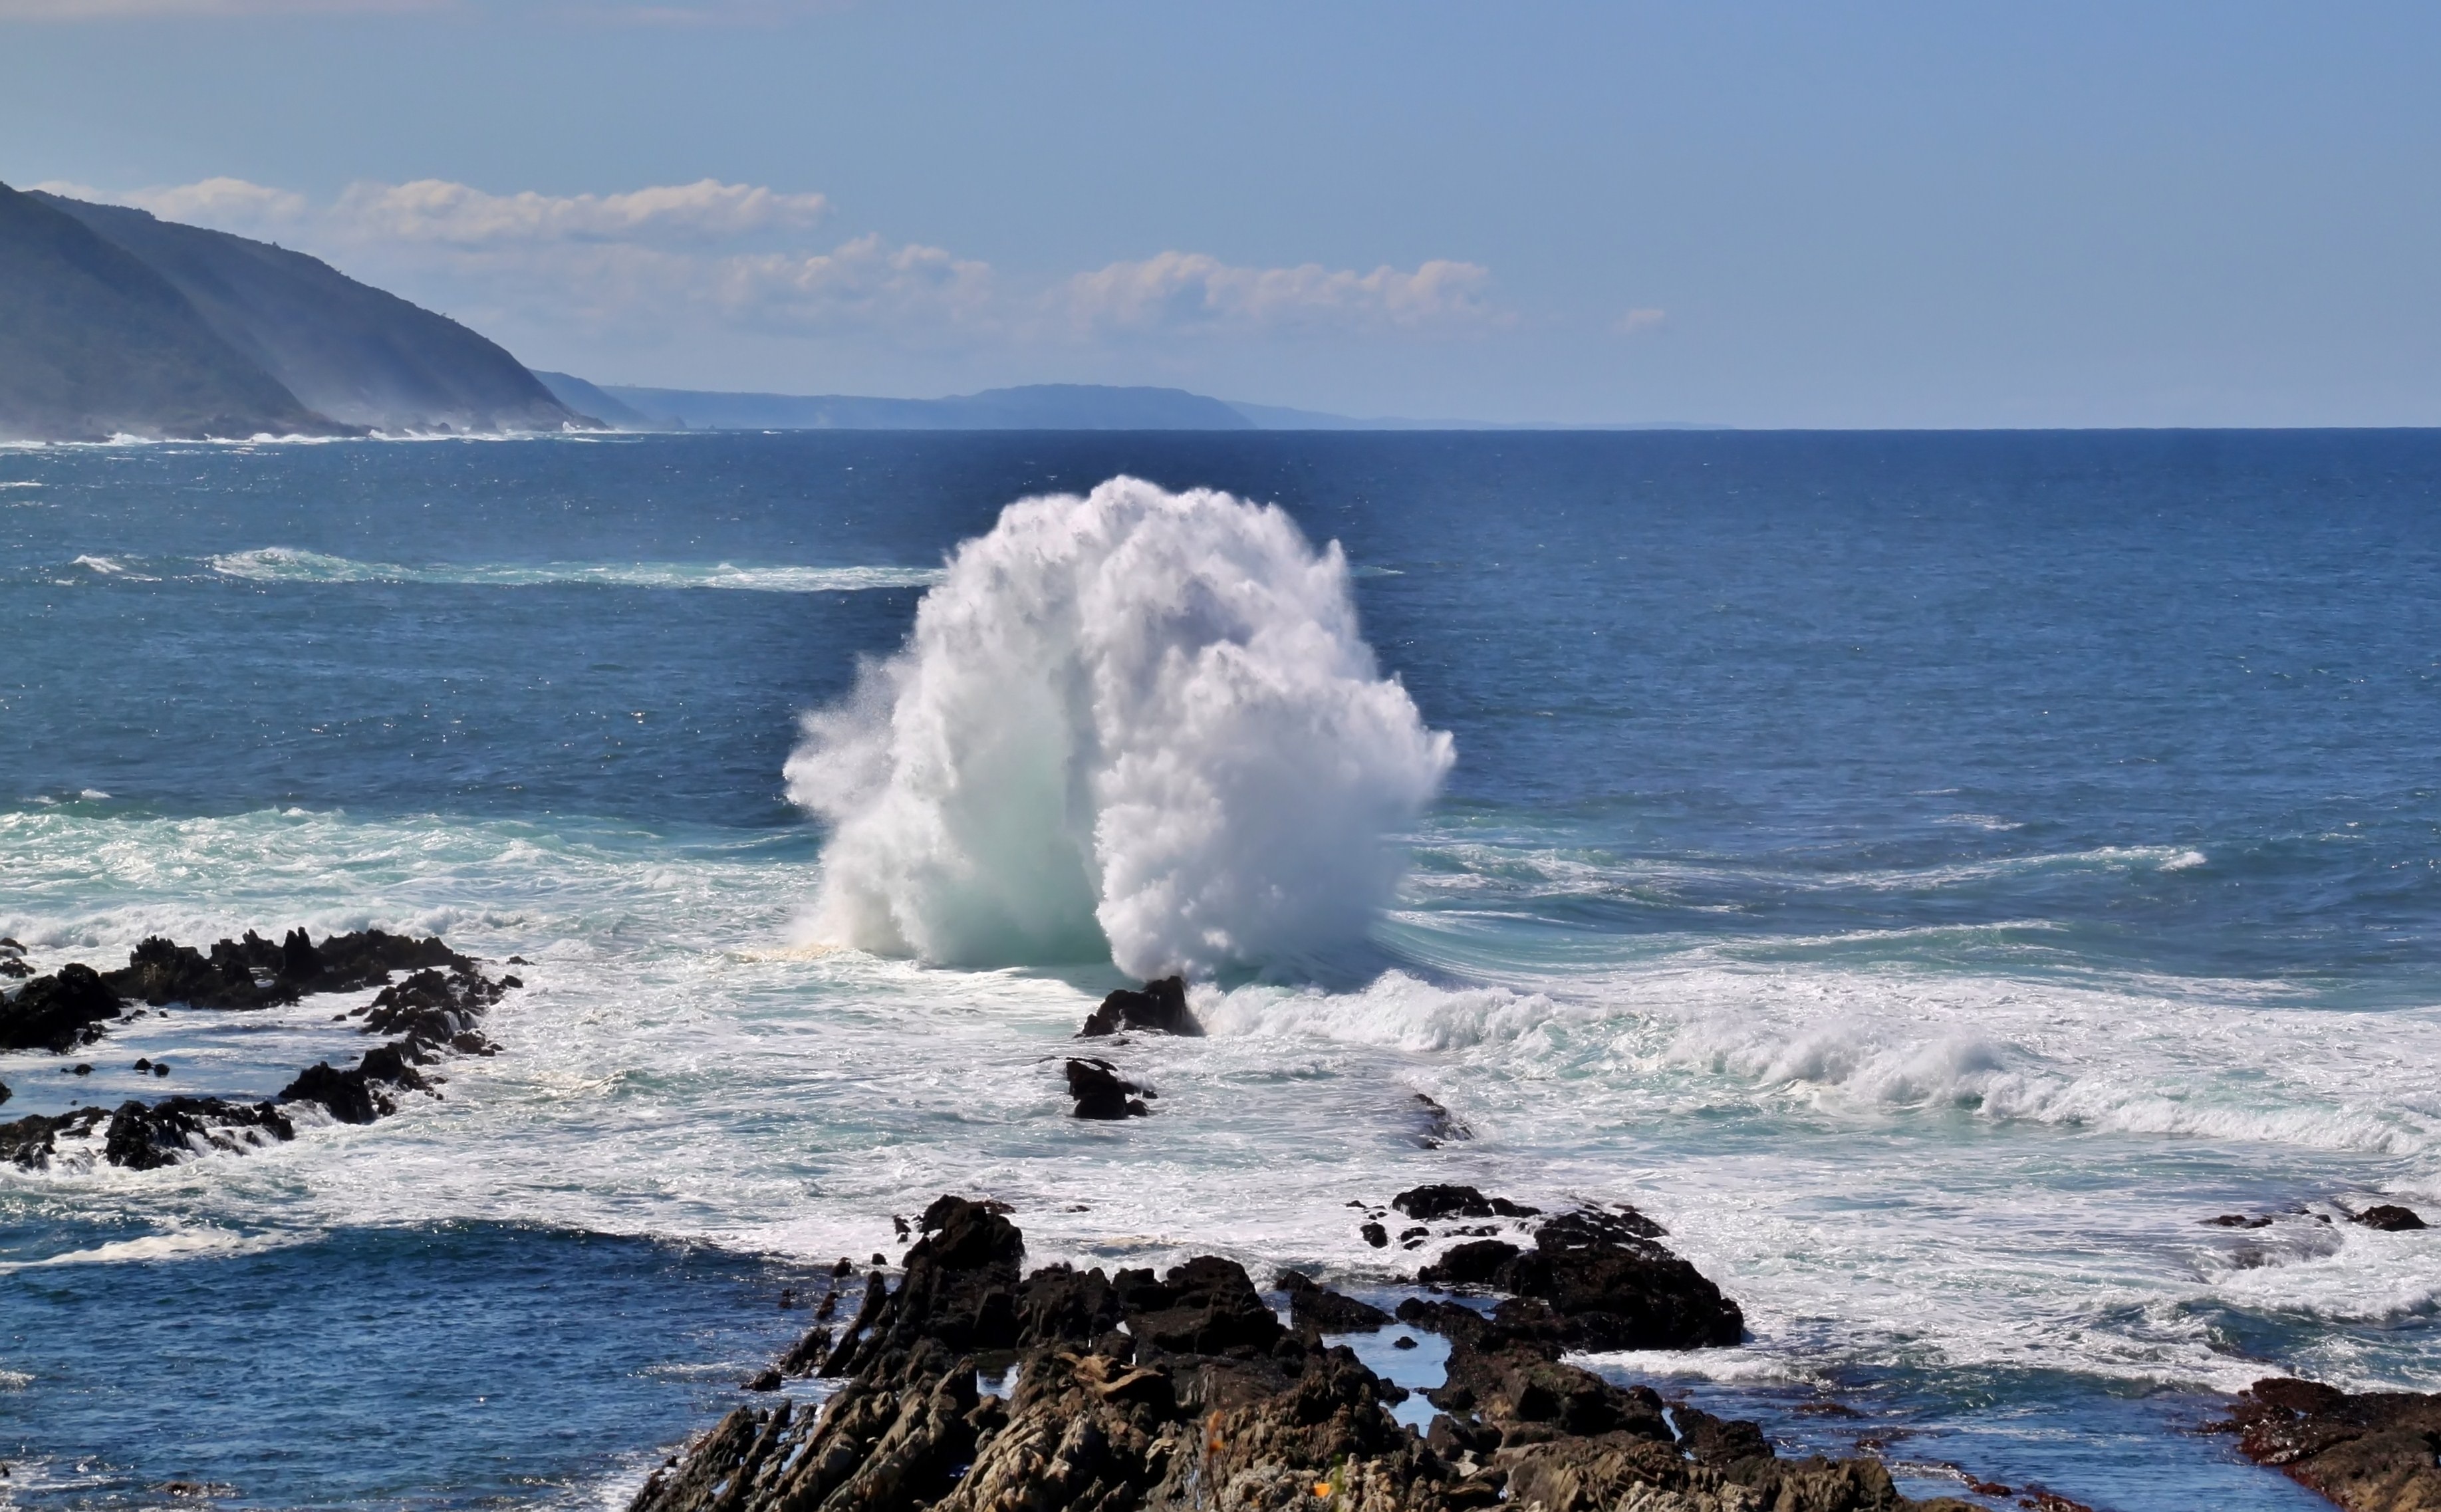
(1929, 873)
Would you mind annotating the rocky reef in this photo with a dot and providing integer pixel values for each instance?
(2370, 1452)
(433, 1012)
(1184, 1390)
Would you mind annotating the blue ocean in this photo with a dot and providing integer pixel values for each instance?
(1933, 874)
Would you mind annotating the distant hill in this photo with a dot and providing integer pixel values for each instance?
(1037, 407)
(94, 343)
(1034, 406)
(345, 349)
(585, 399)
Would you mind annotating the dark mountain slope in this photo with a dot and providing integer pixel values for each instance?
(349, 350)
(93, 344)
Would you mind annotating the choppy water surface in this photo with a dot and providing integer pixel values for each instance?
(1931, 873)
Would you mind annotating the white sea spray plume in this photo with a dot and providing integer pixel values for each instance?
(1134, 720)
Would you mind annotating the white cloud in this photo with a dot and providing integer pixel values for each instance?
(652, 262)
(433, 210)
(1189, 290)
(225, 204)
(1637, 321)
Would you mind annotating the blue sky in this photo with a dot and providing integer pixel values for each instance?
(1901, 215)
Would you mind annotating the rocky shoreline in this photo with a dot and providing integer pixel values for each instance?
(1185, 1390)
(975, 1386)
(432, 1012)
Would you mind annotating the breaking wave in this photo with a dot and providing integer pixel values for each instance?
(1138, 722)
(281, 564)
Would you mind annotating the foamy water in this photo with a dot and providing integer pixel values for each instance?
(1932, 988)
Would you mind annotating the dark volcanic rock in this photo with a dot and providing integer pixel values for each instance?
(161, 971)
(360, 1094)
(1436, 1125)
(58, 1012)
(144, 1138)
(1326, 1311)
(1614, 1288)
(1160, 1009)
(1205, 1306)
(33, 1141)
(1472, 1264)
(960, 1291)
(1204, 1402)
(2389, 1217)
(2368, 1453)
(1428, 1203)
(1101, 1092)
(1594, 1279)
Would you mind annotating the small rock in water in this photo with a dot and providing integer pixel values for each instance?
(1426, 1203)
(2389, 1217)
(83, 1069)
(1100, 1093)
(1438, 1126)
(845, 1267)
(2237, 1220)
(1376, 1235)
(900, 1224)
(1159, 1009)
(160, 1068)
(143, 1063)
(1404, 1342)
(767, 1381)
(519, 961)
(880, 1259)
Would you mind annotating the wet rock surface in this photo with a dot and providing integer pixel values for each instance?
(58, 1012)
(1159, 1008)
(1101, 1092)
(433, 1012)
(1593, 1280)
(2389, 1217)
(2370, 1452)
(145, 1138)
(1183, 1390)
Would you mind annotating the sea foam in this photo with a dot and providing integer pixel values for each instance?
(1135, 722)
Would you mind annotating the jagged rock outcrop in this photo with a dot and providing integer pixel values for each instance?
(1594, 1279)
(1183, 1390)
(433, 1012)
(2370, 1452)
(1101, 1092)
(1326, 1310)
(145, 1138)
(1159, 1009)
(59, 1012)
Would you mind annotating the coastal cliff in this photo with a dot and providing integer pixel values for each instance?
(115, 322)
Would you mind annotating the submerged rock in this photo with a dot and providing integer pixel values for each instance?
(1159, 1009)
(1183, 1391)
(2370, 1452)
